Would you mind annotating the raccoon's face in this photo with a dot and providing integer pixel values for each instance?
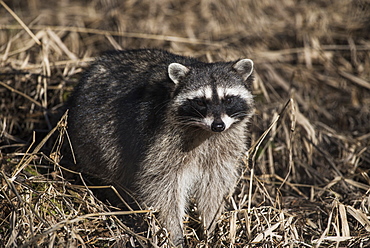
(212, 97)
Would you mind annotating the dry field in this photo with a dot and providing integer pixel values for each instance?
(306, 181)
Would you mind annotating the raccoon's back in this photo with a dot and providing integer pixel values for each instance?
(117, 109)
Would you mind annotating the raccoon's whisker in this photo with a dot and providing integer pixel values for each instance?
(239, 114)
(160, 106)
(197, 111)
(187, 121)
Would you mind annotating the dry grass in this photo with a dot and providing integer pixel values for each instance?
(307, 181)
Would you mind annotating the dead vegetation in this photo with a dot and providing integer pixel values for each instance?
(307, 180)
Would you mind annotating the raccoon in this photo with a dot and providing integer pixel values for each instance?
(166, 127)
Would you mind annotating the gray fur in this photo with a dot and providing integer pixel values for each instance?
(125, 129)
(177, 71)
(244, 67)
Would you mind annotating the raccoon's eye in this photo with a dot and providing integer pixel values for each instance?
(199, 102)
(228, 100)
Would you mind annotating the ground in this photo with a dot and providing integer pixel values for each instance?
(306, 177)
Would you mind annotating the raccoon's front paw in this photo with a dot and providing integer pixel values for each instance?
(179, 242)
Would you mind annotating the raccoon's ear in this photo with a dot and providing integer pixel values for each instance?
(177, 71)
(244, 67)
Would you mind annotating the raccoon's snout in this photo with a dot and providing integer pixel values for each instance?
(218, 126)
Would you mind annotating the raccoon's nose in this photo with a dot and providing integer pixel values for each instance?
(218, 126)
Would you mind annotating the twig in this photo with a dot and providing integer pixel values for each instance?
(354, 79)
(21, 93)
(123, 34)
(24, 26)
